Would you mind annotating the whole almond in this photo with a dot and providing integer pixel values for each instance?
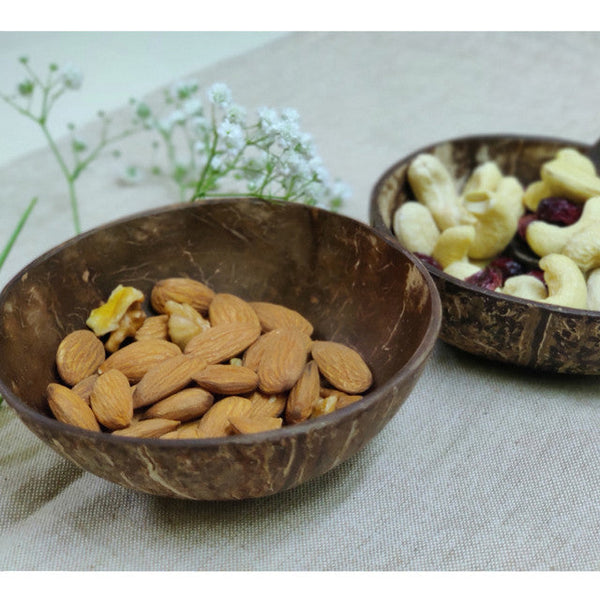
(253, 354)
(111, 400)
(183, 290)
(215, 423)
(70, 408)
(186, 405)
(154, 327)
(229, 308)
(222, 342)
(166, 378)
(135, 359)
(276, 316)
(149, 428)
(227, 379)
(282, 361)
(254, 424)
(342, 366)
(78, 356)
(267, 405)
(303, 395)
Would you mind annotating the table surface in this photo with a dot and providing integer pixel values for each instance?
(485, 467)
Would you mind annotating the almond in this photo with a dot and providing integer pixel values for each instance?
(342, 366)
(222, 342)
(267, 405)
(227, 380)
(342, 398)
(253, 354)
(166, 378)
(135, 359)
(277, 316)
(282, 361)
(78, 356)
(186, 405)
(149, 428)
(254, 424)
(215, 423)
(111, 400)
(228, 308)
(154, 327)
(182, 290)
(85, 386)
(70, 408)
(303, 395)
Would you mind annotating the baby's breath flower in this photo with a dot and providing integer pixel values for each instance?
(236, 114)
(219, 94)
(131, 175)
(184, 89)
(78, 145)
(72, 77)
(192, 106)
(26, 87)
(232, 134)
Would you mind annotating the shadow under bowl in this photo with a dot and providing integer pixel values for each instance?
(486, 323)
(353, 284)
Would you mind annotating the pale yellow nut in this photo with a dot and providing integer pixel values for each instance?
(534, 193)
(184, 322)
(584, 247)
(453, 244)
(572, 175)
(461, 269)
(415, 228)
(593, 290)
(525, 286)
(435, 187)
(484, 178)
(497, 218)
(545, 238)
(106, 318)
(565, 281)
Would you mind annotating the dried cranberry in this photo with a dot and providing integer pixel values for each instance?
(537, 273)
(508, 267)
(524, 222)
(488, 278)
(429, 260)
(558, 210)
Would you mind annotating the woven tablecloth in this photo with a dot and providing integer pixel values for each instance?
(485, 467)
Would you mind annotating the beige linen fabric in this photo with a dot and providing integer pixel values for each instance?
(485, 467)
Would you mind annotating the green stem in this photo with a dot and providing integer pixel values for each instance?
(17, 231)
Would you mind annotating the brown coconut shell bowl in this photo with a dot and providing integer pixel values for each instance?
(485, 323)
(353, 284)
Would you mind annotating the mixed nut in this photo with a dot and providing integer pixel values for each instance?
(203, 365)
(467, 232)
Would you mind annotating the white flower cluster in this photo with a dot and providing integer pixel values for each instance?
(210, 143)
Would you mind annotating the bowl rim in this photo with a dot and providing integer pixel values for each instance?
(412, 366)
(377, 222)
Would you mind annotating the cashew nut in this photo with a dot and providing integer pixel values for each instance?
(571, 174)
(415, 228)
(497, 218)
(525, 286)
(534, 193)
(565, 281)
(453, 244)
(584, 247)
(434, 187)
(593, 290)
(484, 178)
(461, 269)
(545, 238)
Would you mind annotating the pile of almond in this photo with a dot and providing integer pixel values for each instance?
(203, 365)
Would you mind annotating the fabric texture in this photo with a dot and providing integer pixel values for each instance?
(485, 467)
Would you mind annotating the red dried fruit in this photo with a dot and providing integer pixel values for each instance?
(508, 267)
(537, 273)
(488, 278)
(524, 222)
(429, 260)
(558, 210)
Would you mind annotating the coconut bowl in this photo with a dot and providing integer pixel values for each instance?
(486, 323)
(355, 285)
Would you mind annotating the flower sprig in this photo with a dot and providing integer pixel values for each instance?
(210, 145)
(35, 98)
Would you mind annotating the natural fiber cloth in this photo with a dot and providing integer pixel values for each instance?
(485, 467)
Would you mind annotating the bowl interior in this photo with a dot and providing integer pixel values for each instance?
(352, 284)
